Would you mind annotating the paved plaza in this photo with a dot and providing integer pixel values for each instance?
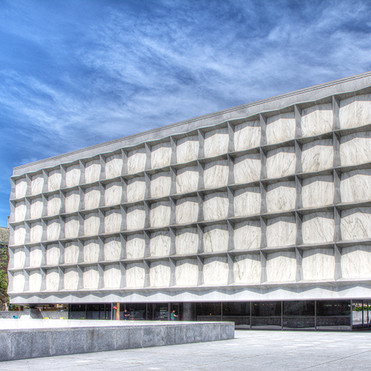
(250, 350)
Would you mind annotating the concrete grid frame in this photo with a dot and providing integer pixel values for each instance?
(266, 201)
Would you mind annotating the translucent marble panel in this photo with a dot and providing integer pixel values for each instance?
(52, 280)
(318, 227)
(187, 149)
(247, 235)
(135, 217)
(72, 201)
(215, 271)
(20, 188)
(91, 278)
(186, 272)
(280, 127)
(135, 246)
(36, 232)
(36, 208)
(317, 191)
(73, 175)
(160, 184)
(112, 276)
(159, 244)
(247, 135)
(92, 171)
(318, 264)
(19, 235)
(247, 201)
(113, 166)
(159, 274)
(281, 266)
(71, 253)
(19, 258)
(54, 180)
(113, 193)
(356, 262)
(160, 155)
(186, 241)
(91, 251)
(112, 221)
(355, 149)
(71, 279)
(53, 205)
(356, 224)
(355, 111)
(317, 156)
(216, 238)
(53, 230)
(216, 206)
(281, 162)
(247, 168)
(136, 189)
(91, 224)
(112, 248)
(281, 231)
(20, 211)
(137, 160)
(35, 281)
(71, 227)
(18, 282)
(247, 269)
(355, 186)
(216, 142)
(159, 214)
(186, 210)
(92, 197)
(187, 179)
(53, 254)
(316, 120)
(216, 174)
(135, 275)
(37, 184)
(281, 196)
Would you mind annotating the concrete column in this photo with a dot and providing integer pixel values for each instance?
(263, 124)
(335, 108)
(297, 111)
(188, 309)
(124, 155)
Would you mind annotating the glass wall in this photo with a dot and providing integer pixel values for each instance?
(209, 311)
(299, 314)
(266, 315)
(333, 315)
(361, 314)
(238, 312)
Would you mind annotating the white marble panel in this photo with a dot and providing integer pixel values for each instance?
(247, 235)
(281, 196)
(247, 135)
(356, 262)
(91, 251)
(36, 208)
(113, 194)
(187, 149)
(91, 224)
(186, 210)
(216, 142)
(52, 280)
(136, 160)
(187, 180)
(247, 168)
(281, 162)
(316, 120)
(216, 174)
(54, 180)
(186, 241)
(36, 232)
(135, 246)
(247, 201)
(186, 272)
(53, 205)
(20, 188)
(281, 231)
(113, 166)
(35, 281)
(20, 211)
(160, 155)
(71, 253)
(72, 201)
(71, 279)
(135, 275)
(135, 217)
(247, 269)
(112, 221)
(317, 191)
(159, 244)
(216, 238)
(355, 186)
(19, 235)
(356, 224)
(318, 227)
(92, 198)
(71, 227)
(355, 111)
(37, 184)
(91, 278)
(53, 230)
(136, 189)
(216, 206)
(19, 258)
(18, 282)
(53, 254)
(160, 184)
(92, 171)
(73, 175)
(215, 271)
(355, 149)
(318, 264)
(112, 276)
(36, 255)
(317, 156)
(281, 266)
(280, 127)
(159, 274)
(112, 248)
(159, 214)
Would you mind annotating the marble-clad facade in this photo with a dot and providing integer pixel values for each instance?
(267, 201)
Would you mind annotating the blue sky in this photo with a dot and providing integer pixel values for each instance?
(74, 73)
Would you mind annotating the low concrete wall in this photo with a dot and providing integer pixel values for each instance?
(24, 314)
(97, 336)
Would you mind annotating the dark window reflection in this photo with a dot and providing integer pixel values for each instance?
(334, 314)
(208, 311)
(238, 312)
(298, 314)
(266, 315)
